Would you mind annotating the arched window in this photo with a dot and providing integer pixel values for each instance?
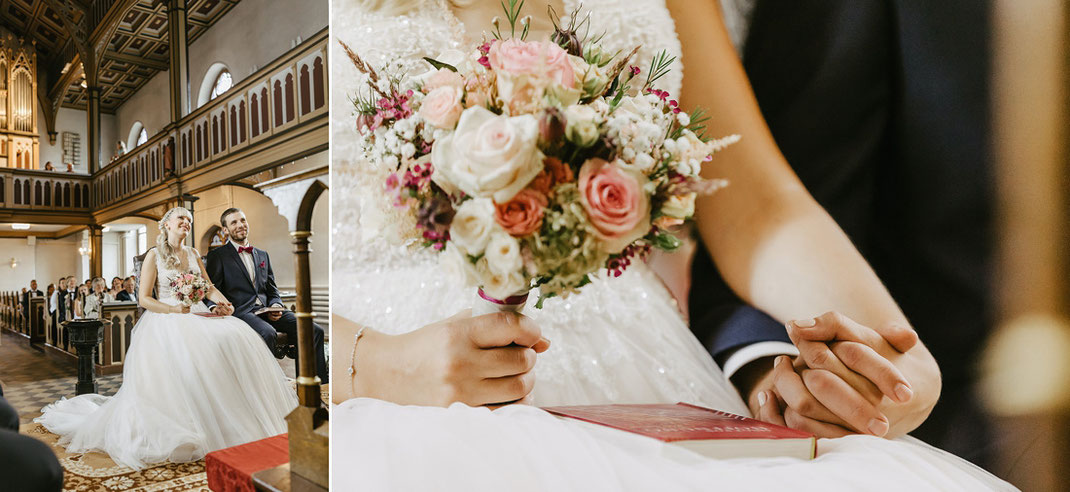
(216, 81)
(223, 83)
(137, 136)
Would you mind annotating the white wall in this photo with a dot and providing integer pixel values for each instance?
(75, 120)
(251, 35)
(45, 261)
(268, 231)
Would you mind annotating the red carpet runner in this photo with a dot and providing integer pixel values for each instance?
(232, 469)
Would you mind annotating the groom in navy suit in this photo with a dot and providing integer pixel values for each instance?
(244, 275)
(881, 108)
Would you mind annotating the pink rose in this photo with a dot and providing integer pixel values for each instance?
(443, 77)
(615, 202)
(523, 214)
(532, 58)
(442, 107)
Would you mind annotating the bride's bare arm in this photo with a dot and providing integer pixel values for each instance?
(774, 245)
(148, 281)
(222, 305)
(485, 360)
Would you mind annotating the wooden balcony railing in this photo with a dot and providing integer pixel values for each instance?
(277, 98)
(24, 189)
(265, 109)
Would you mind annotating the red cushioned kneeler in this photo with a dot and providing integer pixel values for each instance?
(232, 469)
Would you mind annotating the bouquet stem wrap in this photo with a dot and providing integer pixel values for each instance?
(486, 304)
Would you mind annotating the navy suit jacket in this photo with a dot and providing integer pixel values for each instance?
(881, 108)
(230, 276)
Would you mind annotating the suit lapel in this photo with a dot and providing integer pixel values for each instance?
(256, 266)
(234, 255)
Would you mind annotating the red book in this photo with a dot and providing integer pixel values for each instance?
(209, 315)
(708, 432)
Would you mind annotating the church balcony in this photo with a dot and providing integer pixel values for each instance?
(274, 116)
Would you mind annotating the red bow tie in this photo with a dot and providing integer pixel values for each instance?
(245, 249)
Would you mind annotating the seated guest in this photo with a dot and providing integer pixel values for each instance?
(78, 303)
(127, 294)
(93, 301)
(49, 166)
(26, 464)
(116, 286)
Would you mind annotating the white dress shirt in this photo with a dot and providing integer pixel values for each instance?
(247, 259)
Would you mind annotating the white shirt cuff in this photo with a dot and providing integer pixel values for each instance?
(755, 351)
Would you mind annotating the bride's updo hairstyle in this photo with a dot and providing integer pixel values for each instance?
(163, 248)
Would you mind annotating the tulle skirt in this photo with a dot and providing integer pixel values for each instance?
(387, 447)
(620, 340)
(191, 385)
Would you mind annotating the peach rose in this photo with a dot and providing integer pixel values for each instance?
(615, 202)
(523, 214)
(442, 107)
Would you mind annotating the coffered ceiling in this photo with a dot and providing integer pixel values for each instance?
(137, 50)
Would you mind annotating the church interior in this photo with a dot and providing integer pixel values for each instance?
(113, 112)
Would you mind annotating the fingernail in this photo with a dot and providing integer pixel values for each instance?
(776, 362)
(878, 427)
(762, 399)
(805, 323)
(903, 392)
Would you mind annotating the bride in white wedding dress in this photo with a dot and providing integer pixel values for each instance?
(620, 340)
(191, 384)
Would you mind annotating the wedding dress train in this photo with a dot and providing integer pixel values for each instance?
(620, 340)
(191, 385)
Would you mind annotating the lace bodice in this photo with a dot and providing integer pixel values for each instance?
(164, 274)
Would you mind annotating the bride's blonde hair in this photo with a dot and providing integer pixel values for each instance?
(163, 248)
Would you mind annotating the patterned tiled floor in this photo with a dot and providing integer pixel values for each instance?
(32, 379)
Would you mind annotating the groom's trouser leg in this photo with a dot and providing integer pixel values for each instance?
(288, 324)
(262, 328)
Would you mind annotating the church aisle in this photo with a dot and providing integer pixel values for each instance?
(32, 379)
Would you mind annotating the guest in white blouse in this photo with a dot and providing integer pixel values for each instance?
(95, 299)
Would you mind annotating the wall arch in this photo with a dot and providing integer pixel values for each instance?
(208, 82)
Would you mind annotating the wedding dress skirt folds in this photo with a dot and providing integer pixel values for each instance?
(191, 385)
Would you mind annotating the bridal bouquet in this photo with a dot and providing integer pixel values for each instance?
(535, 163)
(189, 288)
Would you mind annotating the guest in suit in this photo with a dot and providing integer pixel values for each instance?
(900, 157)
(26, 464)
(127, 294)
(244, 275)
(27, 295)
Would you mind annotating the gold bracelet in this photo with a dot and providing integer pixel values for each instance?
(353, 363)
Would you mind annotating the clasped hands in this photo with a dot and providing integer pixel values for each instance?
(224, 308)
(848, 379)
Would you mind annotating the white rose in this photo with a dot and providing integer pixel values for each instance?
(472, 225)
(679, 206)
(503, 254)
(500, 285)
(489, 155)
(456, 265)
(581, 127)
